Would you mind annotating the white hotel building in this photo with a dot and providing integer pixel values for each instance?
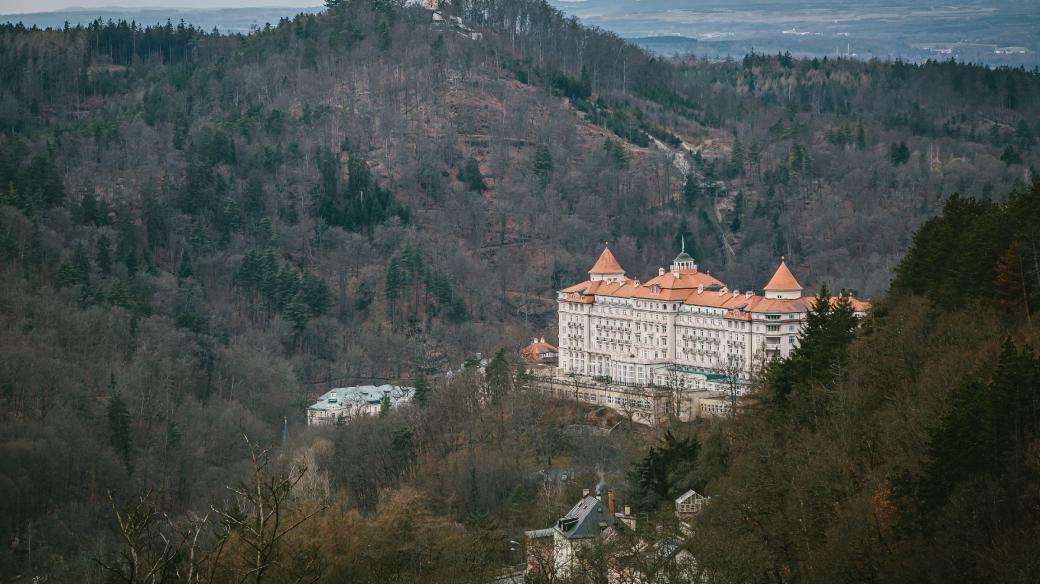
(683, 328)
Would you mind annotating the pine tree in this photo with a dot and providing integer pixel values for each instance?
(102, 255)
(684, 237)
(1010, 156)
(393, 283)
(499, 377)
(899, 153)
(470, 176)
(691, 189)
(184, 270)
(543, 165)
(118, 294)
(173, 435)
(422, 390)
(81, 263)
(385, 36)
(384, 406)
(665, 472)
(88, 208)
(296, 311)
(119, 428)
(315, 294)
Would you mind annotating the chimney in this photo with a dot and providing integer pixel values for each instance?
(584, 493)
(749, 294)
(676, 275)
(736, 293)
(700, 288)
(628, 510)
(541, 340)
(660, 271)
(610, 502)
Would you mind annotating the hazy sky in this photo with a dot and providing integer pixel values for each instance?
(23, 6)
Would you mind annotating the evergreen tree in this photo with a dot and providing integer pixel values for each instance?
(314, 293)
(617, 154)
(119, 431)
(385, 36)
(393, 282)
(470, 176)
(1010, 156)
(173, 435)
(664, 473)
(422, 390)
(384, 406)
(899, 153)
(184, 270)
(499, 375)
(363, 297)
(691, 189)
(103, 255)
(118, 294)
(684, 238)
(542, 165)
(88, 208)
(296, 311)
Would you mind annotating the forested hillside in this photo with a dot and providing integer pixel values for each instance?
(200, 233)
(902, 449)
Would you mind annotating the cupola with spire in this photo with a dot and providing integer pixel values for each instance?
(683, 262)
(607, 267)
(783, 284)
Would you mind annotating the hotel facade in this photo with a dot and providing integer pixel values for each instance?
(683, 329)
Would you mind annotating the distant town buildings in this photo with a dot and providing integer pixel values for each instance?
(342, 404)
(682, 343)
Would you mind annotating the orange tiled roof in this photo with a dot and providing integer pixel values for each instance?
(687, 280)
(577, 287)
(607, 264)
(534, 351)
(695, 288)
(783, 279)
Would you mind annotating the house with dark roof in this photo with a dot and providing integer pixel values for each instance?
(556, 550)
(563, 552)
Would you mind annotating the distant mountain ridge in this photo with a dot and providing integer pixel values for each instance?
(227, 20)
(993, 32)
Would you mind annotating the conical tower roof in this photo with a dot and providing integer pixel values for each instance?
(783, 280)
(607, 264)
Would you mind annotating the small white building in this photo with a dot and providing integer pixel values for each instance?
(344, 403)
(690, 503)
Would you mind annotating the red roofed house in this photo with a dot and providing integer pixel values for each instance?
(540, 352)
